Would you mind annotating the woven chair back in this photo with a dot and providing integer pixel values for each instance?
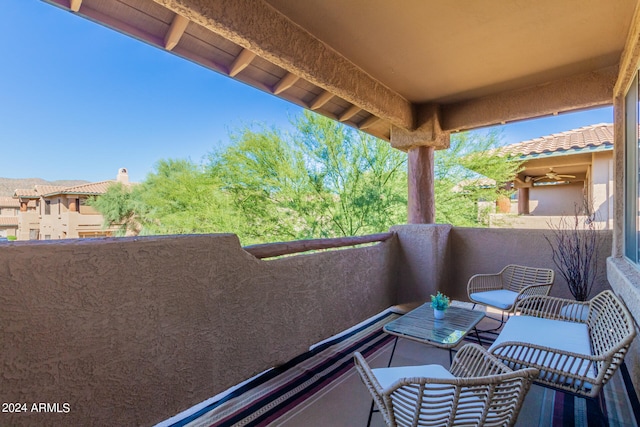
(516, 277)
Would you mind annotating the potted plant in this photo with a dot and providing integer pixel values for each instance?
(440, 303)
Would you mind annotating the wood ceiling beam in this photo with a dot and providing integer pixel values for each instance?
(241, 62)
(593, 89)
(368, 122)
(255, 25)
(176, 30)
(321, 100)
(285, 83)
(349, 113)
(74, 5)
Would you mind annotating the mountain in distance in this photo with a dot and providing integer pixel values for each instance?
(9, 185)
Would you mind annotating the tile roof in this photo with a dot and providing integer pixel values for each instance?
(25, 192)
(92, 188)
(9, 202)
(589, 138)
(8, 220)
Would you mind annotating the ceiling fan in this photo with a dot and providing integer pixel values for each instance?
(553, 176)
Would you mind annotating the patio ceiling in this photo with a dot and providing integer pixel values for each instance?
(378, 65)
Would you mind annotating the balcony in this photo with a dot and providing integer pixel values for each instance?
(133, 331)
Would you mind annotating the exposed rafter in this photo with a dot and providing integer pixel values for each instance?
(74, 5)
(368, 122)
(285, 83)
(241, 62)
(321, 100)
(257, 26)
(176, 30)
(349, 112)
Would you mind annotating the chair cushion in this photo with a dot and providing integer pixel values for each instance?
(501, 298)
(556, 334)
(387, 376)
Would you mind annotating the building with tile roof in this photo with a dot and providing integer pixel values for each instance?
(9, 208)
(57, 212)
(562, 171)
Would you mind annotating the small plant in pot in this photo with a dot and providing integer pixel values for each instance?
(440, 302)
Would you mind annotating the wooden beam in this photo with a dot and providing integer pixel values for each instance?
(321, 100)
(349, 112)
(176, 30)
(421, 201)
(269, 250)
(241, 62)
(368, 122)
(74, 5)
(258, 26)
(285, 83)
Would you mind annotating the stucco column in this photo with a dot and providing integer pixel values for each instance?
(421, 201)
(73, 205)
(523, 201)
(420, 144)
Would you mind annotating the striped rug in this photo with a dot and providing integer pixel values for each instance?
(271, 396)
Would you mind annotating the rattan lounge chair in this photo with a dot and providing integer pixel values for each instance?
(577, 346)
(513, 283)
(478, 390)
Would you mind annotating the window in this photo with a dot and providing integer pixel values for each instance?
(47, 207)
(632, 174)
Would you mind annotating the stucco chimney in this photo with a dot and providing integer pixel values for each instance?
(123, 176)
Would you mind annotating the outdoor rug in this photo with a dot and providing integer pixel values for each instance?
(272, 397)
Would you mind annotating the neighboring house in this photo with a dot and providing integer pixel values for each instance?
(54, 212)
(9, 208)
(562, 171)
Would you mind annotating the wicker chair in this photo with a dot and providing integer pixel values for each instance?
(513, 283)
(577, 346)
(478, 390)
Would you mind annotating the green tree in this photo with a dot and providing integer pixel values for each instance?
(323, 180)
(471, 170)
(177, 198)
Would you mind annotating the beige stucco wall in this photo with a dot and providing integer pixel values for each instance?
(441, 257)
(555, 200)
(132, 331)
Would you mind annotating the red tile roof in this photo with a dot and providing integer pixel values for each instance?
(588, 137)
(8, 220)
(9, 202)
(92, 188)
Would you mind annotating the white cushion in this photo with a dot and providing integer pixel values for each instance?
(501, 298)
(556, 334)
(387, 376)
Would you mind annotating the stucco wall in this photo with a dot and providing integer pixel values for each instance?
(555, 200)
(441, 257)
(132, 331)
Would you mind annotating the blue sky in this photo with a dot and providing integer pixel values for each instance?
(80, 101)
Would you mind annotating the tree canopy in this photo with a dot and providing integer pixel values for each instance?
(322, 179)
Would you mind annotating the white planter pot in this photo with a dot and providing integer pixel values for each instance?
(438, 314)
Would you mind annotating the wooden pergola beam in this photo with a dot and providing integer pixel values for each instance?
(176, 30)
(241, 62)
(256, 25)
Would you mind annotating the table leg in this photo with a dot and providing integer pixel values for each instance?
(478, 336)
(395, 343)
